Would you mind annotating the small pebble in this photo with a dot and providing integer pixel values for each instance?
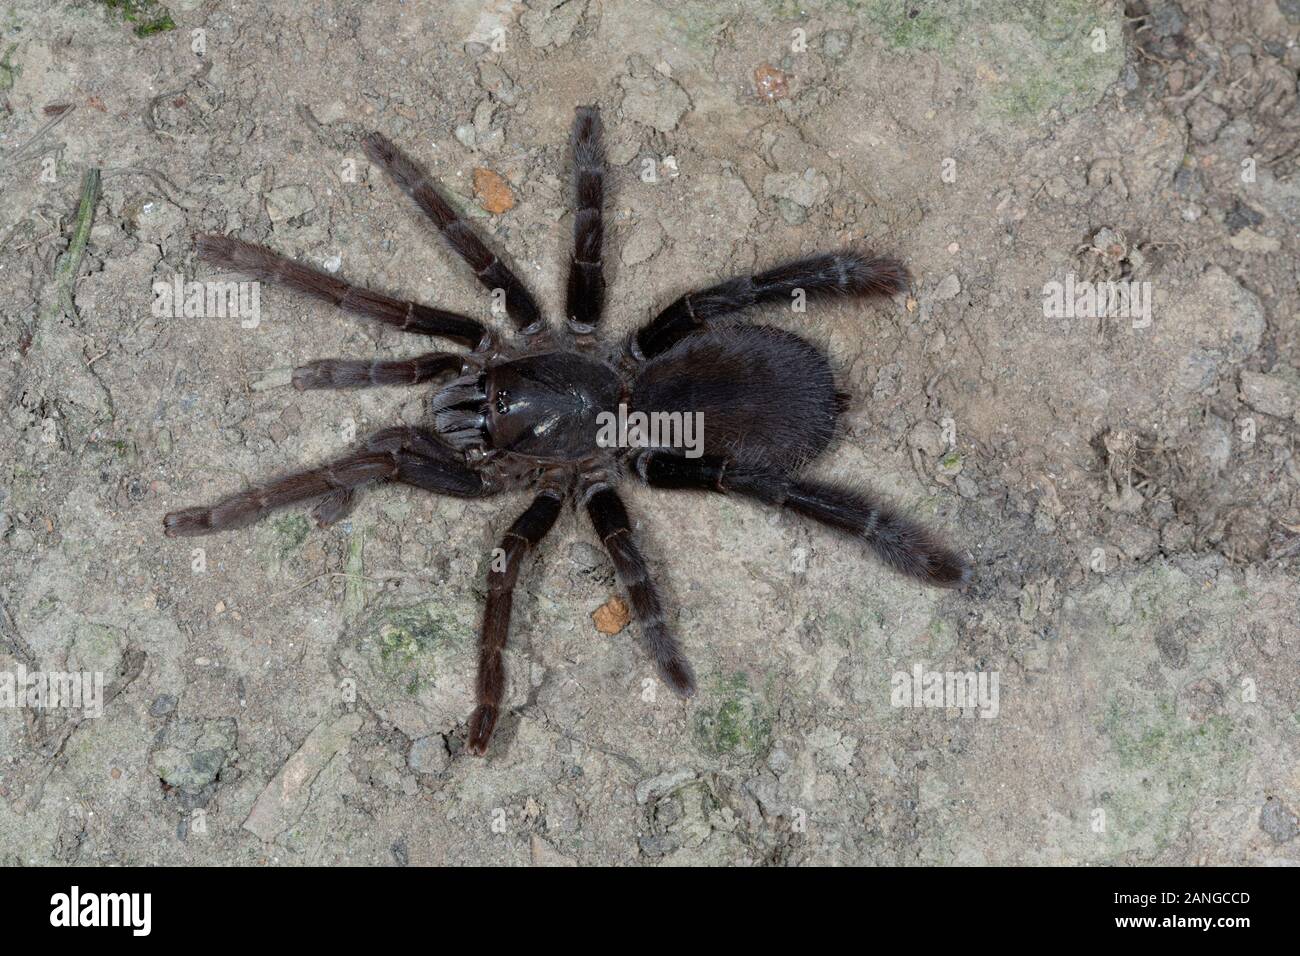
(947, 289)
(493, 192)
(428, 755)
(612, 616)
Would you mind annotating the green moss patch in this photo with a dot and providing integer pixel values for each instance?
(149, 16)
(733, 719)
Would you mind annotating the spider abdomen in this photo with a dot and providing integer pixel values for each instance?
(764, 392)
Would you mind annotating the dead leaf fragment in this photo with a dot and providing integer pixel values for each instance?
(612, 616)
(493, 191)
(543, 854)
(770, 83)
(285, 798)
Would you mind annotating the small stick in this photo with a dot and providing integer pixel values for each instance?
(65, 270)
(19, 153)
(354, 592)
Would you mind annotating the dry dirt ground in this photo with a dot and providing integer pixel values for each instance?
(1128, 488)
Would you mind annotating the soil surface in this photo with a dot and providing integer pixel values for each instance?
(1127, 485)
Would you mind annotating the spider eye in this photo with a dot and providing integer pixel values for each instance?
(503, 403)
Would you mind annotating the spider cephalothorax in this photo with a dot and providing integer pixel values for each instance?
(528, 415)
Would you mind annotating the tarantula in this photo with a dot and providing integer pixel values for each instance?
(525, 415)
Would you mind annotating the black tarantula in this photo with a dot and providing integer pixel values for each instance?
(525, 415)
